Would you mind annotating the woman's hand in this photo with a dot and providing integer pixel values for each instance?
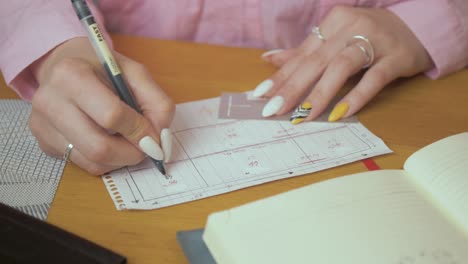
(76, 104)
(328, 63)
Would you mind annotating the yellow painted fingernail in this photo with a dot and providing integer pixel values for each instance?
(301, 113)
(306, 105)
(296, 121)
(338, 112)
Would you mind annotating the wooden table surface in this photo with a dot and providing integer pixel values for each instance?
(408, 115)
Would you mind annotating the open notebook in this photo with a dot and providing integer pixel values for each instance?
(411, 216)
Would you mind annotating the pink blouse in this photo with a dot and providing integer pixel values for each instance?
(29, 29)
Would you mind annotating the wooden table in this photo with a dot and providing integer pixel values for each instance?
(407, 116)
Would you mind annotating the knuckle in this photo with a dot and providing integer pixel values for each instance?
(41, 101)
(33, 126)
(359, 94)
(278, 60)
(66, 67)
(341, 12)
(316, 61)
(46, 148)
(379, 76)
(99, 152)
(36, 130)
(291, 88)
(136, 67)
(96, 169)
(366, 21)
(302, 50)
(111, 117)
(318, 94)
(281, 76)
(168, 105)
(139, 125)
(343, 62)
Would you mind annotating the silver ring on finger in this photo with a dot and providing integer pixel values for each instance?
(316, 31)
(365, 45)
(67, 152)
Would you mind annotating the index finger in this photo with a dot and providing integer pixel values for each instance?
(109, 112)
(155, 104)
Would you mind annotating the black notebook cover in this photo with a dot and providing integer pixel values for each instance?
(25, 239)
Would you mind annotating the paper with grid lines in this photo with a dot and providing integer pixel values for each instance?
(213, 156)
(28, 177)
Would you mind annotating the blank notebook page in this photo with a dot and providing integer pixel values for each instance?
(442, 169)
(372, 217)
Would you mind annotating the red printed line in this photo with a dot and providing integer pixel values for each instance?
(370, 164)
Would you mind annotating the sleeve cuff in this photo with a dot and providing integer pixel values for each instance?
(440, 28)
(36, 33)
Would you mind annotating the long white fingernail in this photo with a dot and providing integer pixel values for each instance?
(262, 88)
(149, 146)
(271, 52)
(273, 106)
(166, 143)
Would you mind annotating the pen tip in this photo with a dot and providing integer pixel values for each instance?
(160, 166)
(162, 170)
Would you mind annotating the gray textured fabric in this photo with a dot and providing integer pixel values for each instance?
(28, 177)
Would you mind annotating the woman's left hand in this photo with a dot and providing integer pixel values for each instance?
(329, 62)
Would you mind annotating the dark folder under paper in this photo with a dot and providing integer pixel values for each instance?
(24, 239)
(194, 248)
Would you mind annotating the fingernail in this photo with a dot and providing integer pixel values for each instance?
(301, 113)
(271, 52)
(338, 112)
(262, 88)
(151, 148)
(166, 143)
(273, 106)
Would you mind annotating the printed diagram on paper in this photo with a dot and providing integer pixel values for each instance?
(213, 156)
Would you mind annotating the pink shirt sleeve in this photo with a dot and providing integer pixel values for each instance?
(30, 29)
(442, 27)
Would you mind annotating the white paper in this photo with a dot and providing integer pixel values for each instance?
(213, 156)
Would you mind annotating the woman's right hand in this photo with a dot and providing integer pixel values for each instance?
(76, 104)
